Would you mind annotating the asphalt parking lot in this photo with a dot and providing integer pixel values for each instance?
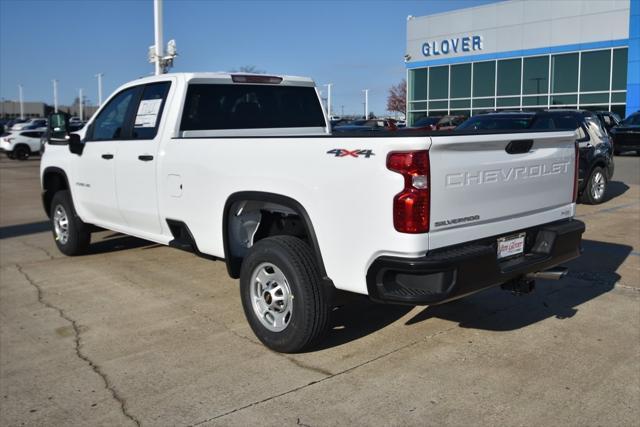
(136, 333)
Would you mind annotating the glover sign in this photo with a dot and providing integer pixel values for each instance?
(447, 46)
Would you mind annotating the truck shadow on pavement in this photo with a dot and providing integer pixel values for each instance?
(615, 189)
(118, 242)
(591, 275)
(24, 229)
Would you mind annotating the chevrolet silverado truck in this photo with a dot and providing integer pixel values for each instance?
(245, 169)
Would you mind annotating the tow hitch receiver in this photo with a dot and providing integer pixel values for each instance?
(519, 286)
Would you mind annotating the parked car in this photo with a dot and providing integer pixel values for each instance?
(338, 122)
(21, 144)
(450, 122)
(13, 122)
(424, 124)
(367, 125)
(626, 136)
(30, 124)
(497, 121)
(595, 146)
(608, 119)
(75, 121)
(297, 213)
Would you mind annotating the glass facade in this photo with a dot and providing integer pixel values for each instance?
(592, 80)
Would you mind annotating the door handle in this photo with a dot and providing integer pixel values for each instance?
(107, 156)
(145, 157)
(519, 146)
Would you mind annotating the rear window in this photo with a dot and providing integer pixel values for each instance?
(32, 134)
(556, 121)
(224, 106)
(495, 123)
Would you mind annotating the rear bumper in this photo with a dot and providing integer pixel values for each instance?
(453, 272)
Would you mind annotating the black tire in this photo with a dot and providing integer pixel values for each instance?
(78, 235)
(309, 297)
(596, 189)
(21, 152)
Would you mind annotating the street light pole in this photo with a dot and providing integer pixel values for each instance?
(55, 95)
(80, 103)
(366, 103)
(99, 76)
(328, 85)
(21, 102)
(157, 22)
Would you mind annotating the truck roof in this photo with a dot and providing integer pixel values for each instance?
(226, 77)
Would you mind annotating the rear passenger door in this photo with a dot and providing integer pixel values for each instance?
(137, 162)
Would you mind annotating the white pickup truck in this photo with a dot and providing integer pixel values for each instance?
(245, 169)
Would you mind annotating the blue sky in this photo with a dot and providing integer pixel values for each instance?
(352, 44)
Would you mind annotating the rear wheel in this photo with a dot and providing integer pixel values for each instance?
(21, 152)
(596, 187)
(72, 236)
(283, 297)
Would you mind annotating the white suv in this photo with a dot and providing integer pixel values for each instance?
(21, 144)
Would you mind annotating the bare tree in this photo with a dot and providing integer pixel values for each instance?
(397, 99)
(251, 69)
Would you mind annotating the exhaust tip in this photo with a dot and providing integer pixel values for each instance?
(555, 273)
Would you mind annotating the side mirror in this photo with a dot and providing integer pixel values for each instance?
(76, 146)
(58, 128)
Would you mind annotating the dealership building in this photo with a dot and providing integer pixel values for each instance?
(525, 55)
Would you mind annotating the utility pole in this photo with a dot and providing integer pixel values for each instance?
(366, 103)
(21, 102)
(157, 22)
(55, 95)
(80, 104)
(328, 85)
(99, 76)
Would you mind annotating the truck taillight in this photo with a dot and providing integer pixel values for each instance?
(411, 205)
(575, 173)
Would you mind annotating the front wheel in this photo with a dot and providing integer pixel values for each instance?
(596, 187)
(21, 152)
(72, 236)
(284, 299)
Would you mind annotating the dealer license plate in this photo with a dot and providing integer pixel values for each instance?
(510, 245)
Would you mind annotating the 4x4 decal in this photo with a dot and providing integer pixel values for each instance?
(341, 152)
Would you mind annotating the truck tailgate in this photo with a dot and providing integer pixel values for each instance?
(485, 185)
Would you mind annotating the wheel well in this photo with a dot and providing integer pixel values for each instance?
(250, 217)
(53, 180)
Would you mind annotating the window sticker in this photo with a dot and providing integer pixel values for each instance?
(148, 113)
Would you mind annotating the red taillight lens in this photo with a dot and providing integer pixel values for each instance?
(411, 205)
(575, 173)
(249, 78)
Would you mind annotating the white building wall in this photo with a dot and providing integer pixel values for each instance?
(517, 25)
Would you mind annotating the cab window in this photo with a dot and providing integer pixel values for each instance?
(149, 111)
(111, 123)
